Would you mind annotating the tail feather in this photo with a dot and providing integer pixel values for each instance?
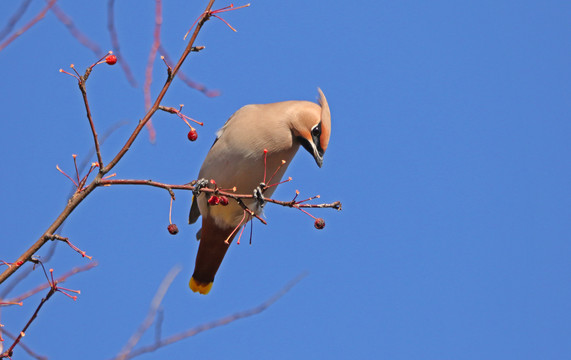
(211, 250)
(199, 287)
(194, 213)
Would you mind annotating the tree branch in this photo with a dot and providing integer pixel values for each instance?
(82, 81)
(157, 299)
(75, 32)
(213, 324)
(190, 187)
(61, 279)
(25, 347)
(115, 43)
(161, 95)
(79, 196)
(26, 27)
(15, 18)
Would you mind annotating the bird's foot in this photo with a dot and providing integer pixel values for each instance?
(259, 195)
(202, 183)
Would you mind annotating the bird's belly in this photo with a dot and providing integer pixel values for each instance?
(245, 174)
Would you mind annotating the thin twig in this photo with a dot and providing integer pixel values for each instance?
(15, 18)
(26, 27)
(334, 205)
(82, 81)
(61, 279)
(87, 159)
(115, 43)
(53, 289)
(75, 32)
(159, 325)
(216, 323)
(151, 62)
(8, 353)
(190, 83)
(66, 240)
(23, 274)
(153, 308)
(153, 53)
(25, 347)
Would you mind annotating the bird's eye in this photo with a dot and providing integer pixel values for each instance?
(316, 131)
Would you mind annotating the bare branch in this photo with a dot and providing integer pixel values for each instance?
(82, 81)
(151, 62)
(66, 240)
(160, 96)
(8, 353)
(189, 187)
(115, 42)
(53, 284)
(23, 274)
(15, 18)
(157, 299)
(61, 279)
(25, 347)
(26, 27)
(216, 323)
(75, 32)
(189, 82)
(78, 197)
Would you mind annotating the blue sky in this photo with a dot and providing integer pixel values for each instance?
(449, 150)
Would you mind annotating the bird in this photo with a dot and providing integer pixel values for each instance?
(254, 141)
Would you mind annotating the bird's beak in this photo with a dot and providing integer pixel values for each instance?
(318, 158)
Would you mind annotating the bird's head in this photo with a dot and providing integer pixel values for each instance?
(314, 128)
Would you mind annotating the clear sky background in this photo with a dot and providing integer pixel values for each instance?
(450, 150)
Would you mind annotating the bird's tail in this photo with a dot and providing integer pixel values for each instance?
(211, 251)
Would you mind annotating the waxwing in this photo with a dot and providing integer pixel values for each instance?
(236, 159)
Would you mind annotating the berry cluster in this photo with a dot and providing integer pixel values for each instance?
(218, 200)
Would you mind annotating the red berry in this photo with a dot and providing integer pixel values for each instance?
(192, 135)
(173, 229)
(214, 200)
(111, 59)
(223, 200)
(319, 224)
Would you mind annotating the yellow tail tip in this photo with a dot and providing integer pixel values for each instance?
(202, 288)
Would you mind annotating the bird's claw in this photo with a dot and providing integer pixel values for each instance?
(202, 183)
(259, 195)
